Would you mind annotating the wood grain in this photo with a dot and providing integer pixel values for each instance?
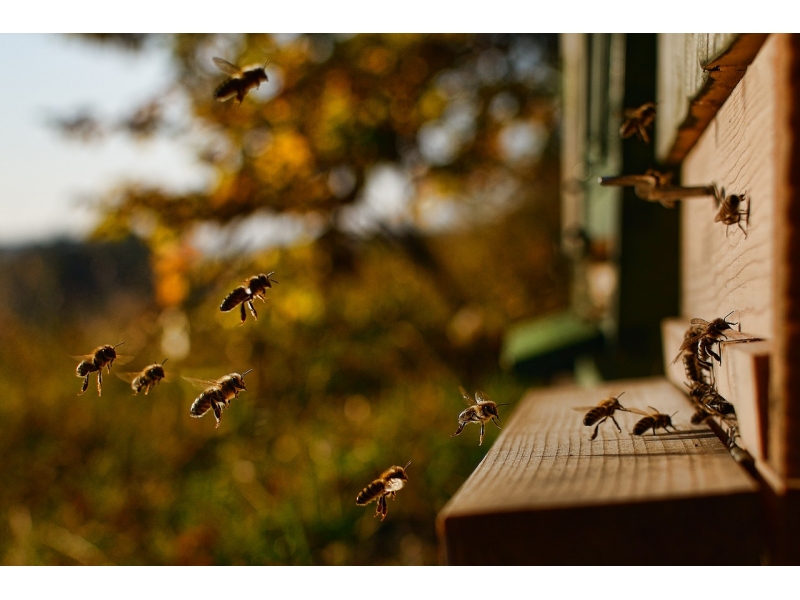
(550, 495)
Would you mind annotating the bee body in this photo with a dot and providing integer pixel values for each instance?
(102, 356)
(388, 484)
(704, 335)
(240, 82)
(148, 378)
(245, 294)
(218, 395)
(730, 211)
(481, 410)
(654, 420)
(605, 409)
(637, 121)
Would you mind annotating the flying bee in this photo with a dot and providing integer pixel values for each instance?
(145, 379)
(705, 335)
(730, 211)
(603, 410)
(255, 287)
(217, 395)
(390, 481)
(102, 356)
(654, 419)
(481, 410)
(637, 120)
(240, 82)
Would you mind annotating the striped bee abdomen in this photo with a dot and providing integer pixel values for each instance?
(205, 401)
(236, 297)
(373, 491)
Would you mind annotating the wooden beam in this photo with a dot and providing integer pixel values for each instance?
(546, 494)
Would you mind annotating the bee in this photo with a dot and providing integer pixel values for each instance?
(146, 379)
(654, 419)
(604, 410)
(709, 403)
(481, 410)
(255, 287)
(217, 395)
(390, 481)
(240, 82)
(730, 211)
(102, 356)
(637, 120)
(705, 335)
(696, 364)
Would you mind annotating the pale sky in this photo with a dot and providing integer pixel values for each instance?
(44, 176)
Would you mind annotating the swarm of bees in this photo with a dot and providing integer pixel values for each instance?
(241, 80)
(637, 121)
(255, 287)
(390, 481)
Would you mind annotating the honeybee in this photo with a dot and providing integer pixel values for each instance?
(240, 82)
(730, 211)
(705, 335)
(637, 120)
(390, 481)
(146, 378)
(603, 410)
(102, 356)
(709, 403)
(481, 410)
(217, 395)
(654, 419)
(255, 287)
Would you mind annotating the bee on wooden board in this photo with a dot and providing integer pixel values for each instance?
(597, 415)
(705, 334)
(241, 80)
(481, 410)
(731, 212)
(637, 121)
(652, 420)
(255, 287)
(696, 362)
(102, 356)
(145, 379)
(390, 481)
(217, 395)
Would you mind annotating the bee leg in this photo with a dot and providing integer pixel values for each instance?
(480, 442)
(382, 508)
(617, 424)
(100, 382)
(85, 385)
(594, 434)
(459, 430)
(496, 424)
(242, 313)
(217, 413)
(252, 309)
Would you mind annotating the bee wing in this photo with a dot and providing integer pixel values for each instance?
(699, 322)
(128, 376)
(226, 67)
(201, 384)
(80, 357)
(481, 396)
(582, 408)
(467, 398)
(639, 411)
(123, 359)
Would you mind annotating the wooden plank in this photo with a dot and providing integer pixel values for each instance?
(546, 494)
(722, 269)
(697, 73)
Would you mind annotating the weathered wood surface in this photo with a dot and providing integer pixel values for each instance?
(546, 494)
(722, 270)
(696, 74)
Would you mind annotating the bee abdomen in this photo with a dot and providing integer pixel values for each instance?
(593, 416)
(84, 368)
(371, 492)
(227, 89)
(643, 425)
(204, 401)
(236, 297)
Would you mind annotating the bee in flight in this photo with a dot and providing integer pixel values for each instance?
(102, 356)
(390, 481)
(481, 410)
(730, 211)
(637, 120)
(705, 334)
(255, 287)
(217, 394)
(145, 379)
(652, 420)
(605, 409)
(240, 82)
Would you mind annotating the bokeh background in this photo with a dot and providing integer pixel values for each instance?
(403, 188)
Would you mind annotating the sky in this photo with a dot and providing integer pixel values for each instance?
(45, 178)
